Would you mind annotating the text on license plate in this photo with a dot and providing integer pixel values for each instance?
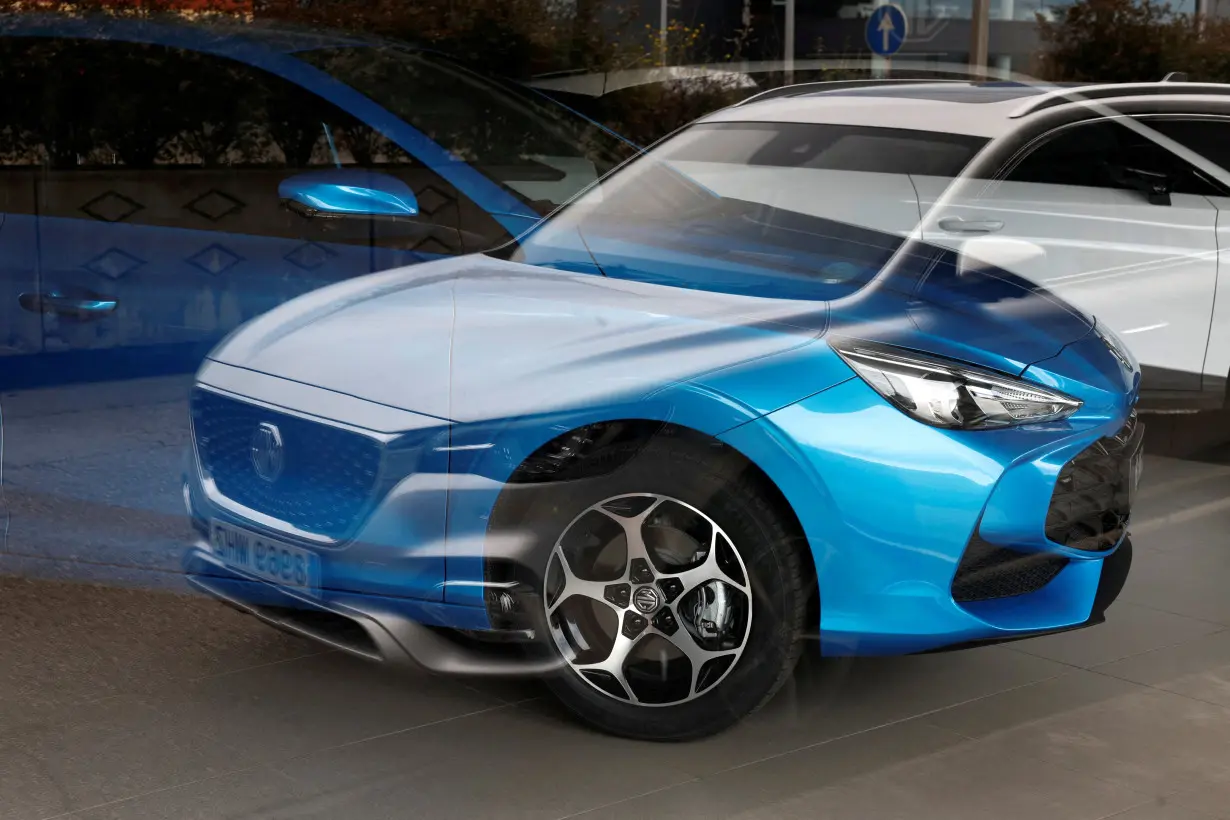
(265, 558)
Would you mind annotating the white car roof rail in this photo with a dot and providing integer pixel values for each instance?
(1062, 96)
(799, 89)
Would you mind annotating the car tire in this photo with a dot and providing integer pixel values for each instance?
(672, 492)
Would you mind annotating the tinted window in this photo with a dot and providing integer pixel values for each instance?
(103, 116)
(1208, 137)
(513, 135)
(1096, 155)
(85, 103)
(827, 147)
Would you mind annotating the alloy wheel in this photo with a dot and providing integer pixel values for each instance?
(648, 600)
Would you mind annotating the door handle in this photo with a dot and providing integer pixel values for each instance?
(81, 307)
(955, 224)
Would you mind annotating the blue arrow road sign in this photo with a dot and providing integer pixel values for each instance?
(886, 30)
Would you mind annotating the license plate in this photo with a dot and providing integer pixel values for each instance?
(266, 558)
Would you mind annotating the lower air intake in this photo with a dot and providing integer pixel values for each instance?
(988, 572)
(1092, 500)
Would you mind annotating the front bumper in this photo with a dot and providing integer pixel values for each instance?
(383, 585)
(393, 630)
(1115, 569)
(926, 538)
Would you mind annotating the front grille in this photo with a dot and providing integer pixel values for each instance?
(328, 474)
(1092, 499)
(987, 572)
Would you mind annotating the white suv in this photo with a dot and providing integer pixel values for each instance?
(1115, 197)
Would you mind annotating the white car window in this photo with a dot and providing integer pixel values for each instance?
(1105, 154)
(812, 168)
(827, 147)
(893, 154)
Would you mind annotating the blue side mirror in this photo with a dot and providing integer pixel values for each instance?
(348, 192)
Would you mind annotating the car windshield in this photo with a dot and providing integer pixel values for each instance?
(535, 147)
(752, 208)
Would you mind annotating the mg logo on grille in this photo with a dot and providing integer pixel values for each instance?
(268, 454)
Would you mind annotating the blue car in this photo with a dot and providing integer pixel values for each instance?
(665, 442)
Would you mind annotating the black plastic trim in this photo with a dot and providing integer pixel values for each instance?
(1115, 569)
(989, 572)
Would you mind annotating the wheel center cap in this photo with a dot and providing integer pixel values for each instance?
(646, 600)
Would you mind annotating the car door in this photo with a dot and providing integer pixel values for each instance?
(1208, 136)
(169, 218)
(1144, 265)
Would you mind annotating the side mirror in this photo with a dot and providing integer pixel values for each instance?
(339, 193)
(1147, 169)
(1155, 185)
(999, 252)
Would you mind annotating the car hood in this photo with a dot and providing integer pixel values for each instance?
(509, 339)
(476, 338)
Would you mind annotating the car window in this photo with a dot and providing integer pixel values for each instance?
(827, 147)
(1097, 154)
(536, 149)
(98, 103)
(1207, 136)
(150, 134)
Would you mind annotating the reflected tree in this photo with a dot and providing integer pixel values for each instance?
(1131, 41)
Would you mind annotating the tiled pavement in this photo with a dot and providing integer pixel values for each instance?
(117, 703)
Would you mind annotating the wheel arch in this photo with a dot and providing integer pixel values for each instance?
(523, 455)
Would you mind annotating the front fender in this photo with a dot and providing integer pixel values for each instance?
(483, 455)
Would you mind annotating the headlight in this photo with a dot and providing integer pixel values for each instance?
(944, 393)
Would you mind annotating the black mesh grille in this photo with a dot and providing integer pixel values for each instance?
(329, 474)
(1093, 493)
(987, 571)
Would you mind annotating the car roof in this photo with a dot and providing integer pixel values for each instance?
(975, 109)
(957, 107)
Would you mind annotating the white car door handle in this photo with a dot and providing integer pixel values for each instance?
(955, 224)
